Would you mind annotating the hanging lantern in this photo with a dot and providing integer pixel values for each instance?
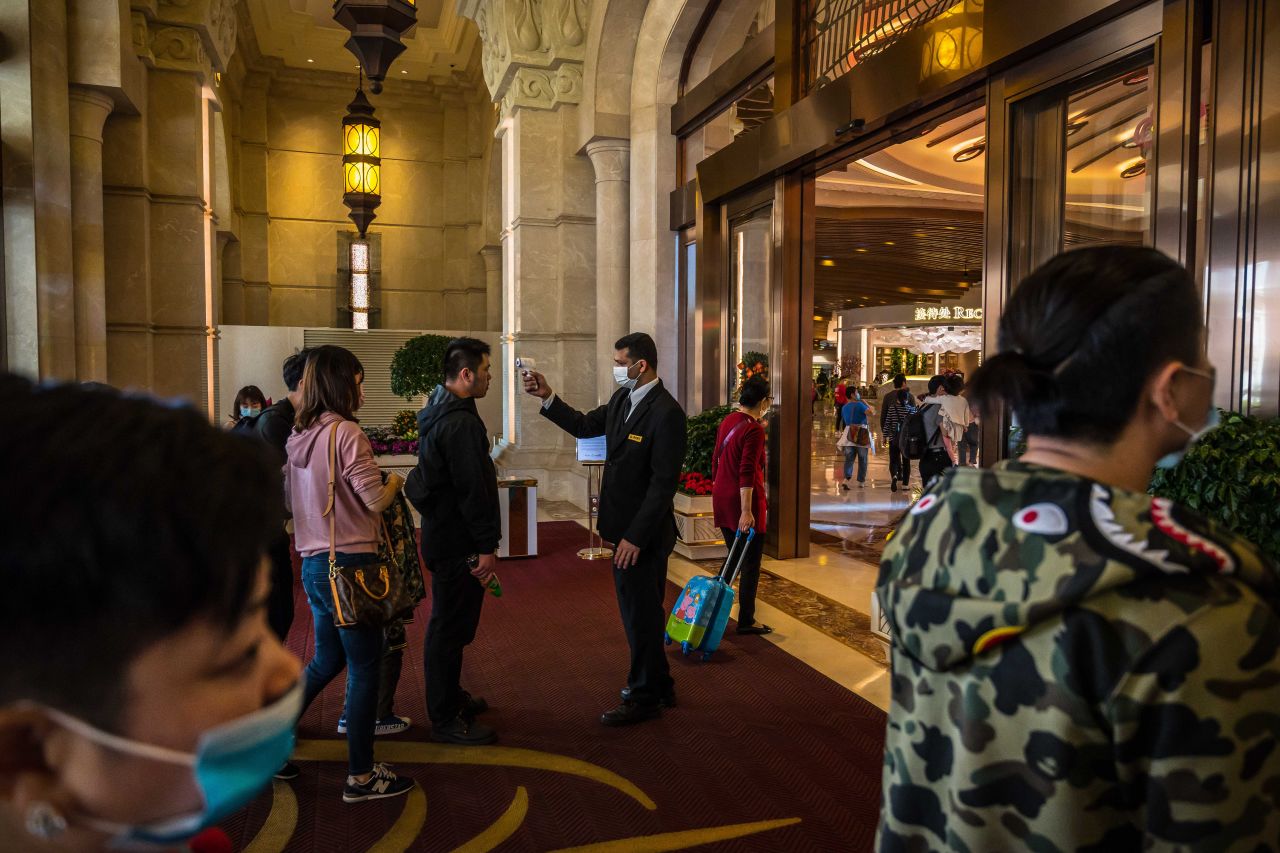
(361, 161)
(376, 27)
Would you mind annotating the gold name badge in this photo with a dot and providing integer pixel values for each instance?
(636, 438)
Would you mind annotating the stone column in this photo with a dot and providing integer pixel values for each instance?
(493, 286)
(611, 159)
(89, 111)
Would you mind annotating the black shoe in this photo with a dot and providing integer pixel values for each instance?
(288, 772)
(464, 731)
(844, 487)
(381, 785)
(667, 701)
(757, 629)
(473, 706)
(630, 713)
(893, 486)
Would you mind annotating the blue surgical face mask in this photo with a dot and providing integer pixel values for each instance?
(231, 764)
(1171, 460)
(249, 411)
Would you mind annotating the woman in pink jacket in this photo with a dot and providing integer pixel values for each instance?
(332, 391)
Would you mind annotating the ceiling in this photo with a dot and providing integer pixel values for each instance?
(304, 35)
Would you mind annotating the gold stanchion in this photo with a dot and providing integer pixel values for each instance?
(595, 549)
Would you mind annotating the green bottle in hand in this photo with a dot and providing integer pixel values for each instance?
(495, 588)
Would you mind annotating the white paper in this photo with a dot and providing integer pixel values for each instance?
(591, 449)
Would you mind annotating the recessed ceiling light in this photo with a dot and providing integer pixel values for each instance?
(404, 72)
(862, 250)
(888, 242)
(310, 60)
(827, 262)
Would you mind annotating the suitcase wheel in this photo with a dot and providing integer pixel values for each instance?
(666, 638)
(706, 656)
(685, 647)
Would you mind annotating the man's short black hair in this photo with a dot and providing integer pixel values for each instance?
(294, 365)
(119, 536)
(899, 379)
(463, 353)
(639, 346)
(937, 382)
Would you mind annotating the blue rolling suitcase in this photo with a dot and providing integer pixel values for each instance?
(702, 610)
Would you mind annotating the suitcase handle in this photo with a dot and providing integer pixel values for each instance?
(742, 555)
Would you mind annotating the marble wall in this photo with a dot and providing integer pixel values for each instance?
(286, 130)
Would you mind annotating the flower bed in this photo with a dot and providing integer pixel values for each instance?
(386, 443)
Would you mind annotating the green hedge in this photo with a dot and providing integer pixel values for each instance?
(418, 366)
(1232, 475)
(702, 439)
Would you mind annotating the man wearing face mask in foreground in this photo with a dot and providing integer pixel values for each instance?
(143, 698)
(645, 431)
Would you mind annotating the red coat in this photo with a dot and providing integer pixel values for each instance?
(737, 464)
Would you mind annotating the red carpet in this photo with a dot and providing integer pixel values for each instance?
(758, 741)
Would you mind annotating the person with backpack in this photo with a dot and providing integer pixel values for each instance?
(274, 426)
(898, 406)
(249, 403)
(928, 425)
(737, 493)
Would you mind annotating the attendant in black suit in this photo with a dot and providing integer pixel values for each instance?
(645, 430)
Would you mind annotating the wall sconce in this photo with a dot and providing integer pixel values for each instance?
(361, 161)
(376, 27)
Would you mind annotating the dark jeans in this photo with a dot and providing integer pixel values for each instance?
(456, 599)
(933, 464)
(859, 453)
(748, 578)
(359, 650)
(967, 451)
(641, 589)
(899, 465)
(839, 416)
(280, 600)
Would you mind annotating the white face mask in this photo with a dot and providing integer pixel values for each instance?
(621, 375)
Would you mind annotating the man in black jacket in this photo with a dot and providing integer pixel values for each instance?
(645, 440)
(273, 426)
(456, 490)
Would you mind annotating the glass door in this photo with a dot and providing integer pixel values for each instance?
(752, 311)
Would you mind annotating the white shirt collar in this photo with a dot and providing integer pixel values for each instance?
(638, 394)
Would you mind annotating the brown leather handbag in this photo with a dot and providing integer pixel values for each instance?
(369, 596)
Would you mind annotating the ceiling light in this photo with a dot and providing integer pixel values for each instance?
(310, 60)
(861, 250)
(1075, 126)
(404, 72)
(827, 262)
(818, 318)
(1134, 170)
(969, 152)
(888, 242)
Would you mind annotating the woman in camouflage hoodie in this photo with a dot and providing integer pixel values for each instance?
(1078, 665)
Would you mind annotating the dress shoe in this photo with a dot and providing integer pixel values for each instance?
(630, 713)
(473, 706)
(464, 731)
(667, 701)
(757, 629)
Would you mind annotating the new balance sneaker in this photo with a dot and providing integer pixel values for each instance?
(392, 725)
(381, 785)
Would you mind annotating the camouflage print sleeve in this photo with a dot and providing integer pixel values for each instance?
(1195, 729)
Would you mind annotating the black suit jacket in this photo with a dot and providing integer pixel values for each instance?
(645, 455)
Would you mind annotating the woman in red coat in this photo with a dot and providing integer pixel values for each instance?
(737, 467)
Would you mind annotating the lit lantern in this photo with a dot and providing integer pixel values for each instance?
(361, 161)
(376, 27)
(359, 284)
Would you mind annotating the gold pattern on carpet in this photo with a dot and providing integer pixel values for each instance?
(281, 822)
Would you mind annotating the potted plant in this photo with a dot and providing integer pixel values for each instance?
(1232, 476)
(418, 366)
(698, 536)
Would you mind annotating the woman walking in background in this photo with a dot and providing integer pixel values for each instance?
(333, 485)
(737, 468)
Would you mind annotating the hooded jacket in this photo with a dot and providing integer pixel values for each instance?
(1076, 667)
(357, 484)
(460, 511)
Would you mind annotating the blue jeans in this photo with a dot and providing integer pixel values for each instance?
(358, 650)
(861, 454)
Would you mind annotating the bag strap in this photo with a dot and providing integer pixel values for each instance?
(331, 509)
(715, 461)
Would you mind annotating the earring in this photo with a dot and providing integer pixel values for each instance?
(44, 821)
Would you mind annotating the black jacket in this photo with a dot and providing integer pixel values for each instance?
(275, 424)
(642, 470)
(457, 486)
